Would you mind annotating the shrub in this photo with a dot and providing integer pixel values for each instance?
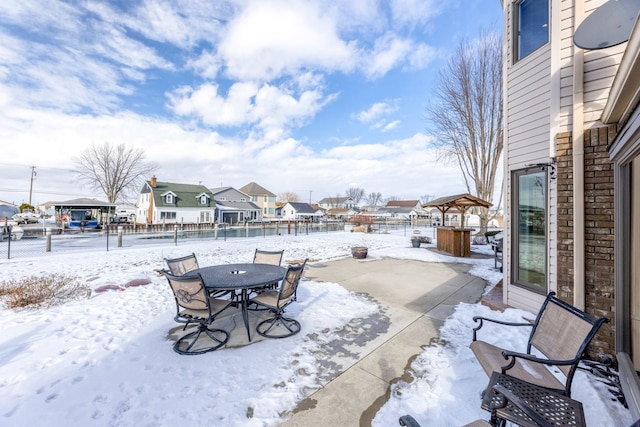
(42, 292)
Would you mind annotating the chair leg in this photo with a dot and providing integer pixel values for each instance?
(219, 336)
(292, 325)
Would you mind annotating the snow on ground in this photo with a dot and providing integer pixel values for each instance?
(107, 361)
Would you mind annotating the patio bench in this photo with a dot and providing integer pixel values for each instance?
(559, 335)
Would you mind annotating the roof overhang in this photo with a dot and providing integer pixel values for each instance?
(625, 91)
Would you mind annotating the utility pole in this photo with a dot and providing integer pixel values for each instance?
(310, 191)
(33, 173)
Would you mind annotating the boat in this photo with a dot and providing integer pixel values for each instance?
(11, 227)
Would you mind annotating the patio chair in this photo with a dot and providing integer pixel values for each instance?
(268, 257)
(276, 301)
(182, 265)
(560, 333)
(195, 305)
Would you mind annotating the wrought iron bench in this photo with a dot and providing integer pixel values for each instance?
(560, 335)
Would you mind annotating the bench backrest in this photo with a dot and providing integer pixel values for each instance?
(563, 332)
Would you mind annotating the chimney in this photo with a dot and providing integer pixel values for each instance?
(154, 181)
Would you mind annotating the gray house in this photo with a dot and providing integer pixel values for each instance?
(234, 206)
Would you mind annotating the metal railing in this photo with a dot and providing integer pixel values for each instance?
(41, 241)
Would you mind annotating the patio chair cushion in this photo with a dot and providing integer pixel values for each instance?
(270, 299)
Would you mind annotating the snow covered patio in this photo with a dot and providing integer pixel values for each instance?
(108, 360)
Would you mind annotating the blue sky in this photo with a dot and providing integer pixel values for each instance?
(311, 97)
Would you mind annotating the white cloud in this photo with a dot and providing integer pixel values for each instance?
(390, 126)
(376, 111)
(388, 52)
(271, 38)
(414, 12)
(272, 109)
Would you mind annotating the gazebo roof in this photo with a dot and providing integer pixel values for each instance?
(465, 200)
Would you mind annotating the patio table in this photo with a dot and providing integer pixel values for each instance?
(240, 277)
(555, 408)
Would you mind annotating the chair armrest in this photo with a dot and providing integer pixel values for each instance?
(531, 358)
(481, 320)
(408, 421)
(522, 405)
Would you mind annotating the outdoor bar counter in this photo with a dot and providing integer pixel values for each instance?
(455, 241)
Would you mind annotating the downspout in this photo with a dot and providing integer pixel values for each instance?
(578, 165)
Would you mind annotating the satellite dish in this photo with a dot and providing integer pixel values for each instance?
(608, 25)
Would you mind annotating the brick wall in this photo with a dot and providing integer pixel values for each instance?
(599, 239)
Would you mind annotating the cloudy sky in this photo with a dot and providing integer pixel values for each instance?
(310, 97)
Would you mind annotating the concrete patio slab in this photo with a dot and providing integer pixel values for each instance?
(416, 297)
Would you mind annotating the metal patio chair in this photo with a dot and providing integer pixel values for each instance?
(182, 265)
(276, 301)
(561, 333)
(268, 257)
(195, 305)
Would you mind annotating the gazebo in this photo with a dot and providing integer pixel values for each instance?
(455, 240)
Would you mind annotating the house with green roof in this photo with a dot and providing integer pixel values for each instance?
(173, 203)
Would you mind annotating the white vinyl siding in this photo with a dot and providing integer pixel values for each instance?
(600, 67)
(528, 123)
(528, 104)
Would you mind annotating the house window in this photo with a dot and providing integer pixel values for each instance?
(168, 199)
(530, 229)
(203, 199)
(167, 215)
(205, 216)
(532, 26)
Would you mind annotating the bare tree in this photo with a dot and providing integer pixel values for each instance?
(467, 113)
(392, 199)
(355, 193)
(288, 196)
(113, 169)
(373, 198)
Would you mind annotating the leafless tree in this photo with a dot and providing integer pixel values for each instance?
(392, 199)
(355, 193)
(467, 114)
(288, 196)
(373, 198)
(113, 169)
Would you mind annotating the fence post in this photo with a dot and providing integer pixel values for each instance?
(48, 239)
(215, 231)
(9, 242)
(175, 234)
(120, 228)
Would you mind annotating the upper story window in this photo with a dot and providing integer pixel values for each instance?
(532, 26)
(168, 199)
(204, 199)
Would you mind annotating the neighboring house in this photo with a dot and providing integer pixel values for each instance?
(262, 197)
(337, 202)
(404, 203)
(233, 206)
(299, 211)
(172, 203)
(572, 144)
(339, 213)
(46, 208)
